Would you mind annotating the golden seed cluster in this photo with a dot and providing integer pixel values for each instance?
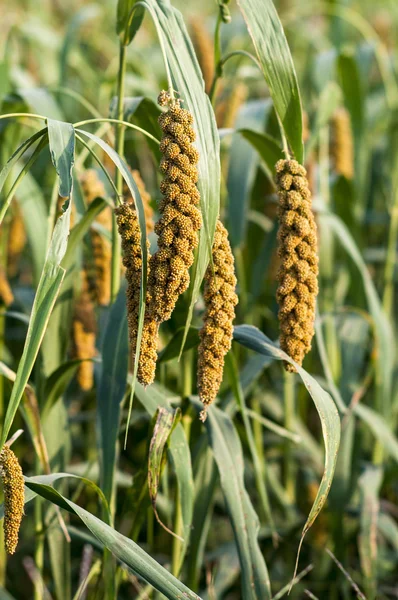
(16, 242)
(298, 285)
(6, 295)
(342, 145)
(204, 49)
(216, 334)
(14, 499)
(127, 221)
(84, 335)
(102, 253)
(228, 109)
(180, 216)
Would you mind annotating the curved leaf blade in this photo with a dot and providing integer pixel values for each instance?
(276, 61)
(121, 547)
(253, 338)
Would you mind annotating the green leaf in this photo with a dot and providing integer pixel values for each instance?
(144, 112)
(50, 280)
(112, 387)
(268, 147)
(61, 137)
(121, 547)
(259, 467)
(274, 55)
(188, 81)
(151, 398)
(166, 421)
(123, 28)
(379, 427)
(354, 94)
(12, 161)
(32, 203)
(57, 383)
(227, 451)
(382, 330)
(369, 484)
(40, 100)
(173, 348)
(329, 101)
(253, 338)
(242, 167)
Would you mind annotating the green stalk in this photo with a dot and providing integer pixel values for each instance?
(217, 58)
(39, 545)
(120, 131)
(388, 295)
(289, 402)
(327, 262)
(109, 561)
(186, 391)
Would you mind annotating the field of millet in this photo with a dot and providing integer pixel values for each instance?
(198, 299)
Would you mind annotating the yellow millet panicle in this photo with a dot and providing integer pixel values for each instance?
(102, 252)
(145, 197)
(298, 285)
(16, 243)
(127, 221)
(14, 498)
(181, 218)
(84, 335)
(6, 295)
(216, 334)
(228, 109)
(204, 49)
(342, 145)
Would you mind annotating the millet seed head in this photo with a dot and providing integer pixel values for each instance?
(342, 144)
(14, 499)
(100, 280)
(180, 221)
(298, 285)
(216, 334)
(84, 335)
(127, 221)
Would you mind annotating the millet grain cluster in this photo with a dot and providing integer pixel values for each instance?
(84, 335)
(180, 221)
(14, 498)
(127, 221)
(298, 286)
(216, 334)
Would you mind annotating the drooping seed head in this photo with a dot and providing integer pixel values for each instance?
(298, 270)
(14, 499)
(180, 218)
(129, 231)
(216, 334)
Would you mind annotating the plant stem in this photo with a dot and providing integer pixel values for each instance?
(327, 262)
(39, 546)
(289, 400)
(186, 391)
(388, 295)
(120, 131)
